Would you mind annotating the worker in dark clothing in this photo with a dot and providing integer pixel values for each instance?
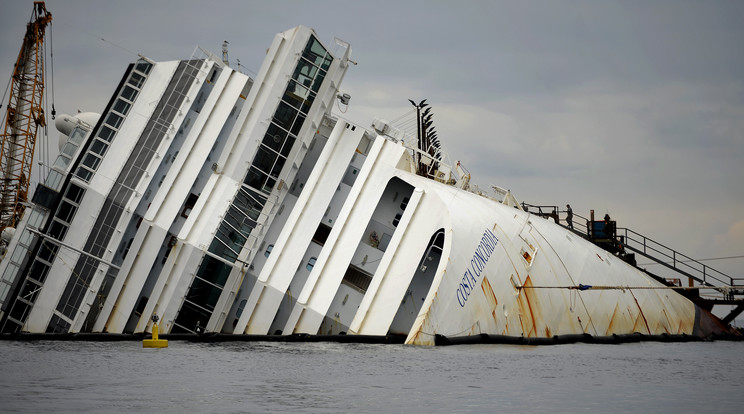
(607, 229)
(569, 216)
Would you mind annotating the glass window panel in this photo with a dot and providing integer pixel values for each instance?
(65, 212)
(285, 115)
(26, 236)
(277, 168)
(315, 52)
(189, 317)
(91, 161)
(10, 272)
(69, 149)
(62, 162)
(318, 81)
(114, 120)
(297, 124)
(136, 80)
(287, 146)
(39, 271)
(99, 147)
(29, 291)
(121, 106)
(143, 67)
(311, 263)
(18, 255)
(264, 159)
(129, 93)
(106, 133)
(84, 174)
(77, 135)
(205, 294)
(274, 137)
(304, 73)
(295, 94)
(270, 182)
(57, 230)
(308, 103)
(74, 193)
(36, 217)
(255, 178)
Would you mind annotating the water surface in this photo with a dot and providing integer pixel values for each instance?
(100, 377)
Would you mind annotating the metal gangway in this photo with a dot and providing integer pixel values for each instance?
(627, 243)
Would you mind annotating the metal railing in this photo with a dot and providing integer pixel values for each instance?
(647, 247)
(675, 260)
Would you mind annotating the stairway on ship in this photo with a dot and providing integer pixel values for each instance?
(721, 289)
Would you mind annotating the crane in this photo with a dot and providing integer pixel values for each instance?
(24, 115)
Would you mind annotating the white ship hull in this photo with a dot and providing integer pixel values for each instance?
(233, 205)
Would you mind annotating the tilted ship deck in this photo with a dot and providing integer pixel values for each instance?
(230, 205)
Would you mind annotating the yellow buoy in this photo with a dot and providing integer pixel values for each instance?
(155, 342)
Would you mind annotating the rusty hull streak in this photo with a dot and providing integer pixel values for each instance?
(613, 318)
(640, 310)
(528, 308)
(490, 298)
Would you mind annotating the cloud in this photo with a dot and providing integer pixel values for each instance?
(632, 108)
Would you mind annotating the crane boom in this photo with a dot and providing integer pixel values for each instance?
(24, 115)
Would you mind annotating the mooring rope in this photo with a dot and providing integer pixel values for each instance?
(592, 287)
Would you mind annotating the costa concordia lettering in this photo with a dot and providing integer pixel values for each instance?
(232, 205)
(477, 263)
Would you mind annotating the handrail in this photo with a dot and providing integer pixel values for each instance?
(678, 260)
(645, 246)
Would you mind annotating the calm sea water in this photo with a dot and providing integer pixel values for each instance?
(95, 377)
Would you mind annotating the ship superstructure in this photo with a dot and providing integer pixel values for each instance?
(227, 204)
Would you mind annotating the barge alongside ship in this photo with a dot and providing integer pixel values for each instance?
(230, 205)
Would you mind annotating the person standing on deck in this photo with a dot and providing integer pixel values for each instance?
(569, 216)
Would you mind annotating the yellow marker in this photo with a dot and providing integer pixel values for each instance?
(155, 342)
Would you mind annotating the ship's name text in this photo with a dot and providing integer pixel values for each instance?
(480, 257)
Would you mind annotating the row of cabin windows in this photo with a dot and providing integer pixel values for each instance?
(398, 216)
(273, 151)
(310, 263)
(261, 177)
(47, 252)
(119, 111)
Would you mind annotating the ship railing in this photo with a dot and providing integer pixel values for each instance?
(675, 260)
(551, 212)
(649, 248)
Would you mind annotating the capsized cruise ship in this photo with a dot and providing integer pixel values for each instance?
(228, 204)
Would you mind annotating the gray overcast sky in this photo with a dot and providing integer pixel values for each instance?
(632, 108)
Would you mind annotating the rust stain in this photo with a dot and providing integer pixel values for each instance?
(613, 319)
(668, 323)
(527, 257)
(527, 308)
(640, 311)
(488, 292)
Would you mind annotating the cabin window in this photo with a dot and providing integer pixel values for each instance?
(121, 106)
(190, 202)
(404, 204)
(241, 307)
(311, 263)
(396, 220)
(321, 234)
(141, 306)
(128, 93)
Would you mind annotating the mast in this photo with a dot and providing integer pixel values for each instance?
(24, 115)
